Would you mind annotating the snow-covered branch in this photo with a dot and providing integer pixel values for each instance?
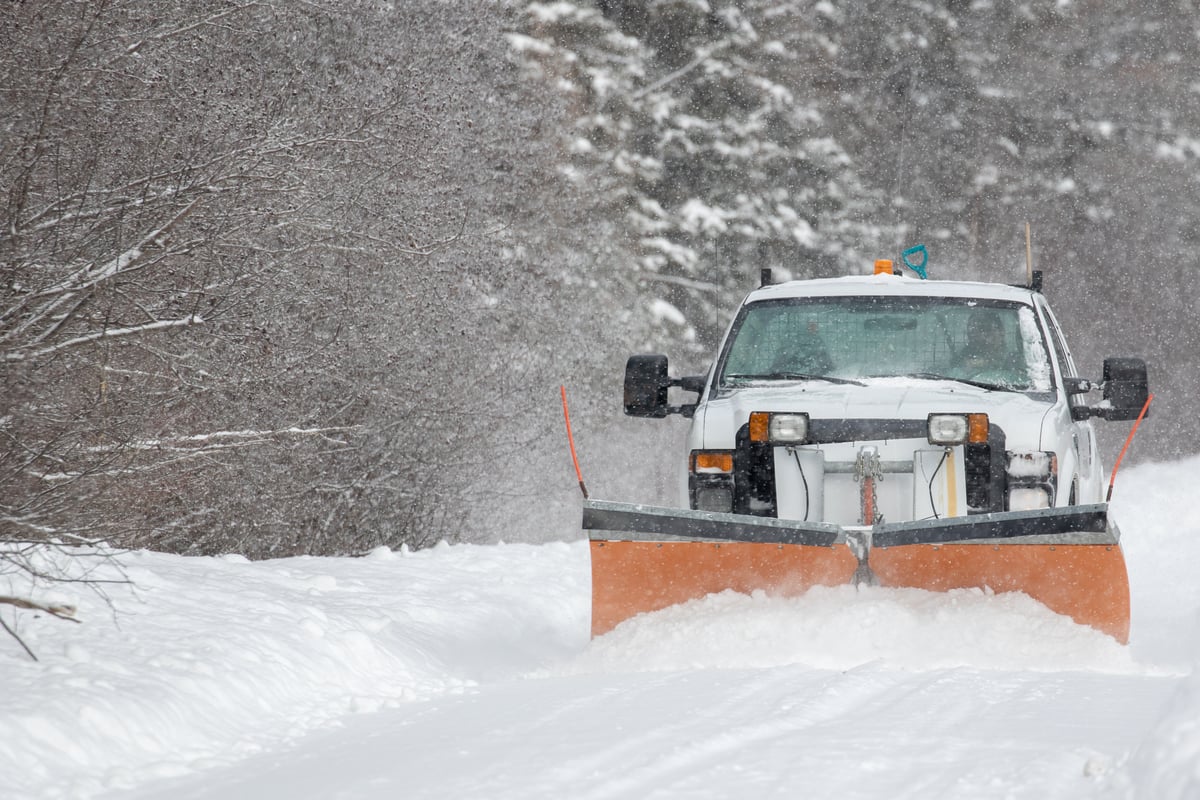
(89, 276)
(110, 333)
(221, 438)
(168, 451)
(704, 55)
(211, 19)
(62, 301)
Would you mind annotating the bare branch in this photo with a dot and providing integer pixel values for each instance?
(60, 610)
(14, 635)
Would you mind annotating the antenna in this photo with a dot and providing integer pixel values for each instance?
(1028, 257)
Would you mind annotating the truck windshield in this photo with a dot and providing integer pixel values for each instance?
(994, 344)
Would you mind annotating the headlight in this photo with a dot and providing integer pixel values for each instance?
(1029, 499)
(1035, 464)
(778, 428)
(788, 428)
(951, 429)
(947, 429)
(714, 498)
(710, 483)
(1032, 479)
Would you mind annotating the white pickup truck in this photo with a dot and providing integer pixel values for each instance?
(879, 430)
(881, 398)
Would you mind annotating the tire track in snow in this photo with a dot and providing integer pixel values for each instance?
(753, 714)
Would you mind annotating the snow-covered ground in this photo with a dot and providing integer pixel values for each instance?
(467, 671)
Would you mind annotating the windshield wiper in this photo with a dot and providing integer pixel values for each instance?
(995, 387)
(791, 376)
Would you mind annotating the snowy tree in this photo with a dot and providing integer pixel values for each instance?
(277, 280)
(719, 161)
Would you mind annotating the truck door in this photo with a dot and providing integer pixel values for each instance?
(1083, 435)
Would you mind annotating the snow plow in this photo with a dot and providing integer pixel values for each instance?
(879, 430)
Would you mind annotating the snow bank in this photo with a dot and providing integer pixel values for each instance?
(1161, 540)
(208, 660)
(1167, 765)
(1162, 544)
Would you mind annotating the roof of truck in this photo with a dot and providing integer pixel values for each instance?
(893, 285)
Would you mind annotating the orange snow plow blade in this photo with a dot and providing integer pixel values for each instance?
(1086, 582)
(646, 558)
(629, 578)
(1068, 559)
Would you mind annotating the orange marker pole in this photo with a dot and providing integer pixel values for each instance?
(571, 442)
(1128, 439)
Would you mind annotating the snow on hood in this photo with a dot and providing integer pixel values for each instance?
(1019, 414)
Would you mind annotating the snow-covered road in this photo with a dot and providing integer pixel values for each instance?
(869, 732)
(467, 672)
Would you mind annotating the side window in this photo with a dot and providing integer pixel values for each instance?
(1061, 354)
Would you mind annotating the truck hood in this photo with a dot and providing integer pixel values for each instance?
(1019, 414)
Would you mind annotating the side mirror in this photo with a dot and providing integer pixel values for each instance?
(1125, 388)
(647, 384)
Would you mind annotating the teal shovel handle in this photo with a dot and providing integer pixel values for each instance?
(917, 268)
